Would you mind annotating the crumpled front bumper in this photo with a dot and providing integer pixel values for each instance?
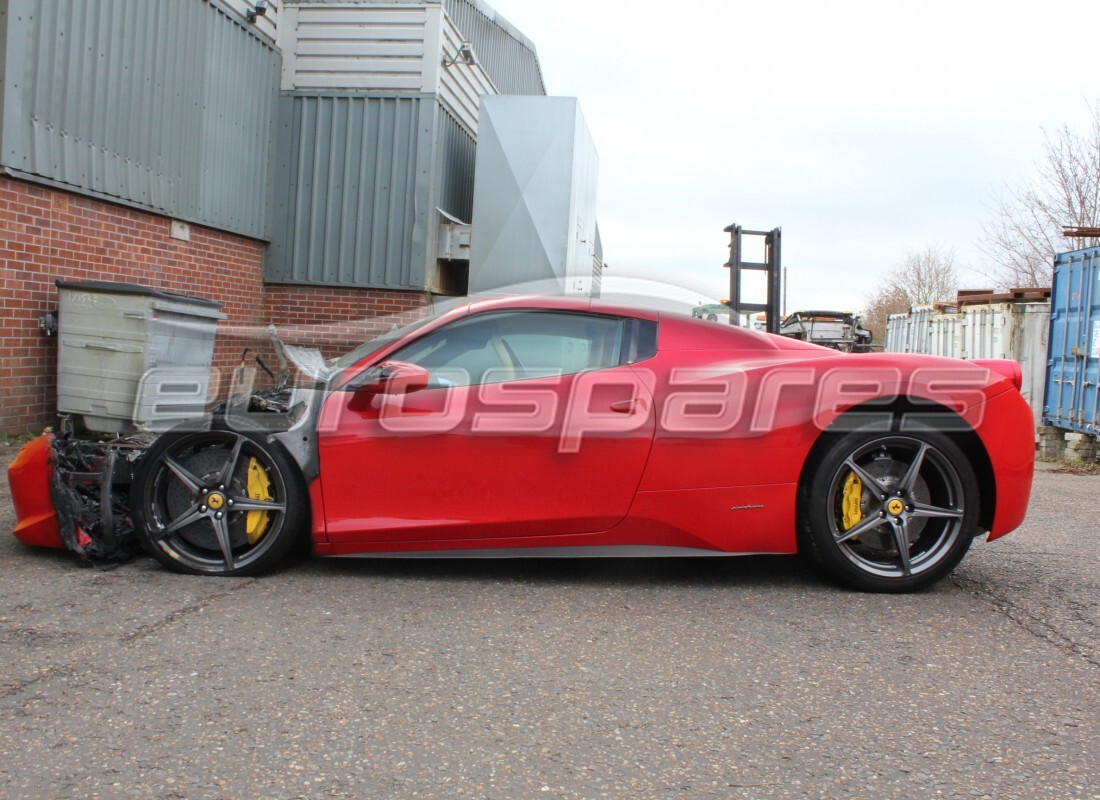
(73, 494)
(30, 477)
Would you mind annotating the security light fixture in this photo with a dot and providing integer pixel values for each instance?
(258, 11)
(466, 53)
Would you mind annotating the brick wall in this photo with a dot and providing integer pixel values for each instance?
(46, 234)
(335, 319)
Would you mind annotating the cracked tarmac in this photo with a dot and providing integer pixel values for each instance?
(733, 678)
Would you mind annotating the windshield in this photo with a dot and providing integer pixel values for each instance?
(383, 339)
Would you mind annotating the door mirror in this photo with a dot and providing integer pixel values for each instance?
(394, 377)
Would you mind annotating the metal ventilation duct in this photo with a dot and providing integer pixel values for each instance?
(534, 220)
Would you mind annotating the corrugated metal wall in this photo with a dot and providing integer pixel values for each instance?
(165, 105)
(508, 56)
(267, 24)
(387, 49)
(353, 191)
(357, 184)
(374, 135)
(461, 86)
(172, 105)
(457, 151)
(340, 47)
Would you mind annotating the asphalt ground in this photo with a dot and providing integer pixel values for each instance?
(732, 678)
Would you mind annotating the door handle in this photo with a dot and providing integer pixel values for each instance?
(628, 406)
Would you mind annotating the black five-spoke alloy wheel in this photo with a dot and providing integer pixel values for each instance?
(217, 503)
(888, 512)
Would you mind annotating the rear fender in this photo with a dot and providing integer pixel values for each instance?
(1006, 368)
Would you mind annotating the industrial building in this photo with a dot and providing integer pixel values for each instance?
(309, 163)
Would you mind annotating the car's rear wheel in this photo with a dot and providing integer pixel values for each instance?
(218, 503)
(888, 512)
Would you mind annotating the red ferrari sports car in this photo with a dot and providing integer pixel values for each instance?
(564, 427)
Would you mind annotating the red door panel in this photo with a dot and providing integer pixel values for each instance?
(536, 457)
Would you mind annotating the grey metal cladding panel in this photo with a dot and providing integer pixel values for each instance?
(3, 62)
(165, 104)
(241, 85)
(353, 192)
(512, 63)
(457, 151)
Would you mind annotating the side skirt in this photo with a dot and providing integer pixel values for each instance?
(603, 551)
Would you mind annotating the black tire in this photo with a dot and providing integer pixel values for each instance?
(193, 494)
(861, 497)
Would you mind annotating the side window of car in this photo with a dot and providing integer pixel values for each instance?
(640, 340)
(458, 355)
(517, 345)
(543, 344)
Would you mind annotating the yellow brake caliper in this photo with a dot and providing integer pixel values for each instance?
(259, 488)
(850, 512)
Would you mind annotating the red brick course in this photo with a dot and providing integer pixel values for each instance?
(336, 319)
(47, 234)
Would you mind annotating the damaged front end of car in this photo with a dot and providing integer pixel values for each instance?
(74, 492)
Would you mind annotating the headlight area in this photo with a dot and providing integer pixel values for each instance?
(75, 493)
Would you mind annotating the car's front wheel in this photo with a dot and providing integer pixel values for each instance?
(218, 503)
(888, 512)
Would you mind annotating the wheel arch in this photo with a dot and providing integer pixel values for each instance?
(272, 438)
(930, 414)
(275, 443)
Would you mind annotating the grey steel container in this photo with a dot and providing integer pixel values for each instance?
(896, 337)
(1016, 331)
(130, 356)
(911, 332)
(943, 335)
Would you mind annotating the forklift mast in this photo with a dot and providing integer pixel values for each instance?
(771, 265)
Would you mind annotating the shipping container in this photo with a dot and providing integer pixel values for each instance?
(905, 332)
(924, 329)
(1072, 398)
(943, 335)
(895, 340)
(1016, 331)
